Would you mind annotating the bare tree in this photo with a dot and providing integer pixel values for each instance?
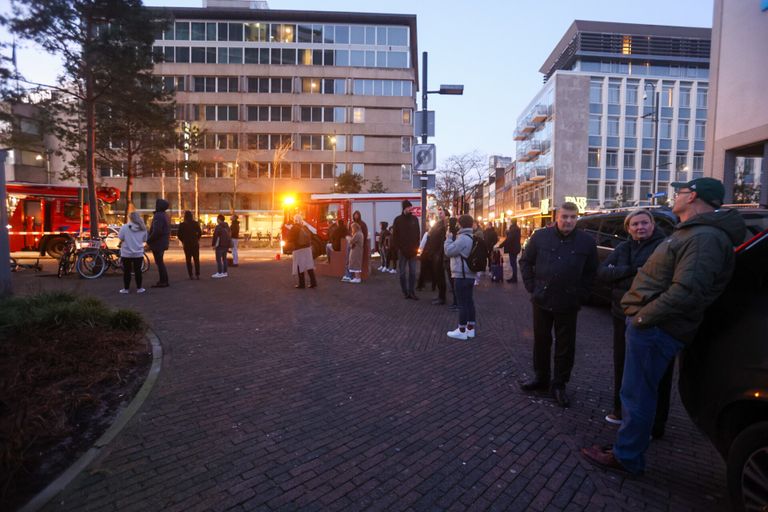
(456, 178)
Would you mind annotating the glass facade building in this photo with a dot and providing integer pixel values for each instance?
(621, 115)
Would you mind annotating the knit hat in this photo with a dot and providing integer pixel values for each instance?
(406, 204)
(709, 190)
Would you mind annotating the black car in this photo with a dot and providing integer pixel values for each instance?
(724, 376)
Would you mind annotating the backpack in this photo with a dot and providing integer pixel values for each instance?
(304, 239)
(225, 237)
(478, 255)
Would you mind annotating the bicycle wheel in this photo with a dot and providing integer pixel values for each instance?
(90, 264)
(63, 262)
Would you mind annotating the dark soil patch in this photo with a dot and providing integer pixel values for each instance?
(63, 379)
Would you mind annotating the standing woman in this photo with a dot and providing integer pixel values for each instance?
(301, 239)
(356, 244)
(189, 234)
(222, 239)
(132, 236)
(619, 269)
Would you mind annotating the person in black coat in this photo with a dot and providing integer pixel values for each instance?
(491, 238)
(406, 236)
(619, 269)
(512, 248)
(158, 239)
(189, 235)
(558, 266)
(435, 251)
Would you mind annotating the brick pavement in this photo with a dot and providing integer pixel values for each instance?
(349, 397)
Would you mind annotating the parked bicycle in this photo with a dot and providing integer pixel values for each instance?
(68, 257)
(97, 259)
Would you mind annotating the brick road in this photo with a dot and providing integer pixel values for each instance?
(349, 397)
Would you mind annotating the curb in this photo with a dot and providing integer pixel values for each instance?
(64, 479)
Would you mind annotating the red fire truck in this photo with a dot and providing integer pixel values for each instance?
(41, 217)
(322, 209)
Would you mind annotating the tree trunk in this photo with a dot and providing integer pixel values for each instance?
(128, 189)
(90, 142)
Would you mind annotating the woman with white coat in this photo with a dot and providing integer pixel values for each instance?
(132, 236)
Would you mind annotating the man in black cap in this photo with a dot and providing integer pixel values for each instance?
(665, 307)
(406, 236)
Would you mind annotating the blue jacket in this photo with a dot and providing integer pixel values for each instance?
(558, 270)
(160, 231)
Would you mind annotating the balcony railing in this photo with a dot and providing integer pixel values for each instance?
(540, 113)
(534, 148)
(539, 173)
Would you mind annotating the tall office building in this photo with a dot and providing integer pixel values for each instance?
(337, 90)
(621, 115)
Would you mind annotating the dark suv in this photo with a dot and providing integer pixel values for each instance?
(724, 372)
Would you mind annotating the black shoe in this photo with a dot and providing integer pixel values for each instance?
(197, 277)
(299, 286)
(534, 384)
(438, 302)
(511, 280)
(561, 397)
(312, 286)
(413, 296)
(406, 295)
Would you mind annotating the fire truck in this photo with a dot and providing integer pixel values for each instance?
(323, 209)
(42, 217)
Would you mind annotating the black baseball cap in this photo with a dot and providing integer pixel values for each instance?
(709, 190)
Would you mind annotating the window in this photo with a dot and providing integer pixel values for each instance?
(235, 31)
(198, 55)
(258, 141)
(647, 128)
(629, 159)
(593, 190)
(182, 31)
(358, 143)
(665, 129)
(198, 31)
(308, 142)
(698, 162)
(407, 116)
(593, 157)
(681, 161)
(610, 190)
(628, 191)
(614, 93)
(685, 96)
(310, 85)
(405, 172)
(701, 97)
(613, 126)
(256, 31)
(631, 94)
(182, 54)
(667, 95)
(594, 125)
(700, 130)
(358, 115)
(682, 129)
(596, 92)
(339, 115)
(646, 160)
(630, 127)
(358, 169)
(405, 144)
(612, 158)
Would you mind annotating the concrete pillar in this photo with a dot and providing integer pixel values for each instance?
(729, 175)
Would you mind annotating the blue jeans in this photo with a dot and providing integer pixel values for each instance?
(465, 288)
(649, 353)
(221, 260)
(410, 263)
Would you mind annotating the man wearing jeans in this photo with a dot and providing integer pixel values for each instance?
(665, 307)
(406, 235)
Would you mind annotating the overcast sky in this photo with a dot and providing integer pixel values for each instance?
(493, 47)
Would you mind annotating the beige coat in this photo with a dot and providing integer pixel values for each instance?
(356, 253)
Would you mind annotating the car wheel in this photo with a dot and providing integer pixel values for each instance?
(748, 469)
(55, 247)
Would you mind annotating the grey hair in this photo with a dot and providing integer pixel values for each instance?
(136, 219)
(297, 219)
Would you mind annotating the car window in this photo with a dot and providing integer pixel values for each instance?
(591, 226)
(756, 222)
(612, 231)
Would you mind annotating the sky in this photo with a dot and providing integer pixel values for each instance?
(493, 47)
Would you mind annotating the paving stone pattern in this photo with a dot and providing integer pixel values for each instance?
(349, 397)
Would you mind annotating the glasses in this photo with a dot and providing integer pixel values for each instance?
(677, 193)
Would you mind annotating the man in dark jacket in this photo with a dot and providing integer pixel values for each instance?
(666, 305)
(159, 236)
(406, 236)
(491, 238)
(435, 251)
(512, 248)
(558, 266)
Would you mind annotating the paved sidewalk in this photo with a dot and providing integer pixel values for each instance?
(350, 397)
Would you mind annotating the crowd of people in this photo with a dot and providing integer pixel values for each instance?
(661, 286)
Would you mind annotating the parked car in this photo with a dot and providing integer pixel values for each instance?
(724, 376)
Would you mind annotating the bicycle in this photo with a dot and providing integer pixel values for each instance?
(93, 262)
(68, 258)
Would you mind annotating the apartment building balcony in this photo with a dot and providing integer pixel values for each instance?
(519, 134)
(534, 148)
(539, 173)
(540, 113)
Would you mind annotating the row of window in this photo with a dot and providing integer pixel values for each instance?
(281, 113)
(283, 170)
(280, 56)
(613, 124)
(632, 93)
(285, 33)
(642, 69)
(263, 84)
(303, 142)
(594, 157)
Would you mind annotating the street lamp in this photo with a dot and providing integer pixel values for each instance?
(655, 114)
(451, 89)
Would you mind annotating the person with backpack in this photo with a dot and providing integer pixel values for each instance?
(222, 239)
(558, 266)
(511, 246)
(301, 240)
(459, 247)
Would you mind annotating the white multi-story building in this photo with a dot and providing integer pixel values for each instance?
(339, 89)
(621, 115)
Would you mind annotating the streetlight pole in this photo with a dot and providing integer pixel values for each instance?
(655, 112)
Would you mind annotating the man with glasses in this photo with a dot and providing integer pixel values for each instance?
(665, 306)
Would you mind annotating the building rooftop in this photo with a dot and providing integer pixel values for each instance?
(628, 41)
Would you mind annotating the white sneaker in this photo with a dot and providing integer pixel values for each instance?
(346, 279)
(217, 275)
(457, 334)
(141, 290)
(124, 290)
(470, 333)
(355, 280)
(392, 271)
(380, 269)
(224, 275)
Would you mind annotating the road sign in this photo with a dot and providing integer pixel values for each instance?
(416, 180)
(424, 157)
(657, 194)
(418, 126)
